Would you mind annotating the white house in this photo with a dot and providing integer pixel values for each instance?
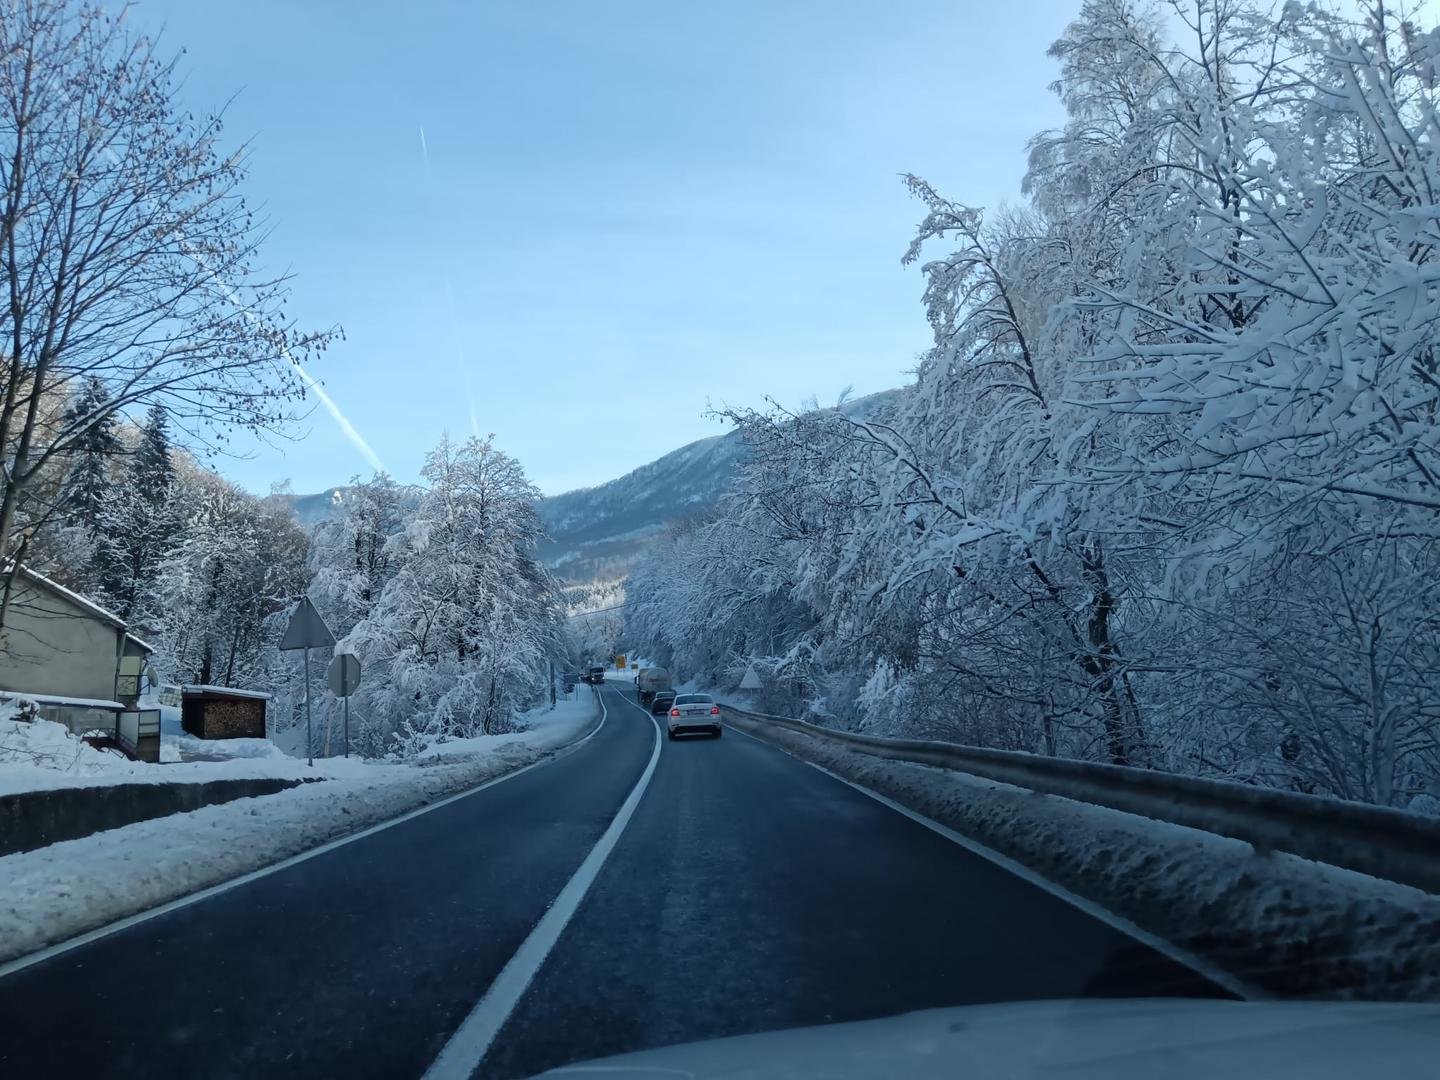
(70, 655)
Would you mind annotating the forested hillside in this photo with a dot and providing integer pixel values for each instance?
(436, 587)
(599, 533)
(1166, 489)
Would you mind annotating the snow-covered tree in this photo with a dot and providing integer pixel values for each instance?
(356, 553)
(1164, 490)
(237, 562)
(141, 522)
(88, 482)
(129, 254)
(465, 623)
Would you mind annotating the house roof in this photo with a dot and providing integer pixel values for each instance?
(88, 606)
(62, 699)
(228, 690)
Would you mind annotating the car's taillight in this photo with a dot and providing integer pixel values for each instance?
(715, 711)
(674, 712)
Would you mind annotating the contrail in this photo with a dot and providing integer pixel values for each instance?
(424, 149)
(356, 439)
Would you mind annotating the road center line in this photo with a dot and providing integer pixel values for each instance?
(472, 1039)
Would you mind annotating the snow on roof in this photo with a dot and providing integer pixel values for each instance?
(74, 597)
(144, 645)
(203, 689)
(63, 699)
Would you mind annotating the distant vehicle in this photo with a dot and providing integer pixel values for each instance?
(694, 712)
(595, 676)
(662, 702)
(650, 682)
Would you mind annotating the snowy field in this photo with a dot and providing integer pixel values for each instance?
(62, 890)
(1284, 925)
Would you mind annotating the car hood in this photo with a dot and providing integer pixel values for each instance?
(1076, 1040)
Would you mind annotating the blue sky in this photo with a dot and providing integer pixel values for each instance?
(641, 209)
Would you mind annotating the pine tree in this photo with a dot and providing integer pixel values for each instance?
(141, 523)
(152, 473)
(87, 486)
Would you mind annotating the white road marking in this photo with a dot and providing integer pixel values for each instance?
(637, 705)
(466, 1049)
(1184, 957)
(86, 938)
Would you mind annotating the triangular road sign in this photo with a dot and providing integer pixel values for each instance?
(751, 681)
(307, 630)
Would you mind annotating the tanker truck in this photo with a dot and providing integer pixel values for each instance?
(651, 681)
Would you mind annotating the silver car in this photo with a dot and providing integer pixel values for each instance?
(694, 712)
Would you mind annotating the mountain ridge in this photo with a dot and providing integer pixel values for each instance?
(595, 534)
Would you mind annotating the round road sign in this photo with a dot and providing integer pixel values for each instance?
(344, 675)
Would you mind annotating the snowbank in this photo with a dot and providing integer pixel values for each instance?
(43, 755)
(62, 890)
(38, 754)
(1292, 927)
(541, 729)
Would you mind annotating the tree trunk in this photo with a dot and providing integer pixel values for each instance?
(230, 659)
(1096, 654)
(1122, 731)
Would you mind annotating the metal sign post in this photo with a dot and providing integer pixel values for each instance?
(307, 630)
(344, 678)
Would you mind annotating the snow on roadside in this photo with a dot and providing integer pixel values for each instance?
(56, 892)
(539, 729)
(38, 754)
(43, 755)
(1293, 927)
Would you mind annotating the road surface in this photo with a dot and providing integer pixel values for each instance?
(747, 892)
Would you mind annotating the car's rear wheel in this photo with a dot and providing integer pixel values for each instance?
(673, 736)
(717, 731)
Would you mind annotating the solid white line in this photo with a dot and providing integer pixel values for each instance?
(642, 708)
(20, 963)
(1170, 950)
(467, 1047)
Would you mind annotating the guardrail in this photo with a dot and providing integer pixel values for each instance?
(1392, 844)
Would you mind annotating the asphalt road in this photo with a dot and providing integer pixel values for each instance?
(748, 892)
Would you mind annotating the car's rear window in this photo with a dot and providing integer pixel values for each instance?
(694, 699)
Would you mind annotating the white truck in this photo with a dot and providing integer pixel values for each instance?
(650, 681)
